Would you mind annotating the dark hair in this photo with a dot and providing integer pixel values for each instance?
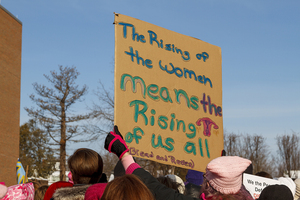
(86, 166)
(40, 192)
(278, 192)
(192, 190)
(103, 178)
(169, 183)
(264, 174)
(127, 187)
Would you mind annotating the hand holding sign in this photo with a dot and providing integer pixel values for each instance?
(114, 143)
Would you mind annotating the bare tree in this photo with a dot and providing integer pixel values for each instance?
(288, 149)
(256, 150)
(102, 120)
(110, 160)
(252, 147)
(54, 112)
(232, 144)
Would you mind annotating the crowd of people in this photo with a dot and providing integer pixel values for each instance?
(221, 181)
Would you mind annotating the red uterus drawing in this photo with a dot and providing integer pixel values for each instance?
(207, 123)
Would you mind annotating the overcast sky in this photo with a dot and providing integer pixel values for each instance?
(260, 42)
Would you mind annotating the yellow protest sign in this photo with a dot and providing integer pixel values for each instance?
(168, 94)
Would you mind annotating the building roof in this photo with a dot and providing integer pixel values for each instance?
(4, 9)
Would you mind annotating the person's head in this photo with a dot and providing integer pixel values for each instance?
(264, 174)
(212, 194)
(278, 192)
(194, 177)
(224, 177)
(249, 169)
(289, 183)
(179, 181)
(40, 192)
(127, 187)
(192, 190)
(86, 166)
(20, 191)
(169, 182)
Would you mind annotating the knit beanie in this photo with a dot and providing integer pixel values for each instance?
(278, 192)
(224, 173)
(194, 177)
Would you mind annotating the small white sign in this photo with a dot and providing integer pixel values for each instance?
(255, 184)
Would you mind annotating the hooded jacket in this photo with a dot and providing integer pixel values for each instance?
(70, 193)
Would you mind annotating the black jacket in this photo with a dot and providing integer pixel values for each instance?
(160, 191)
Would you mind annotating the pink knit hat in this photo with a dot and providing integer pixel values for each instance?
(224, 173)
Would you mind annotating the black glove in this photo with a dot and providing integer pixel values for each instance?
(114, 143)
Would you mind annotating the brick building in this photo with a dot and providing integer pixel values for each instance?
(10, 82)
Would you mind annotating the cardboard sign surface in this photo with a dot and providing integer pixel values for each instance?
(168, 94)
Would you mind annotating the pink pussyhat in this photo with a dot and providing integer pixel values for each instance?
(224, 173)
